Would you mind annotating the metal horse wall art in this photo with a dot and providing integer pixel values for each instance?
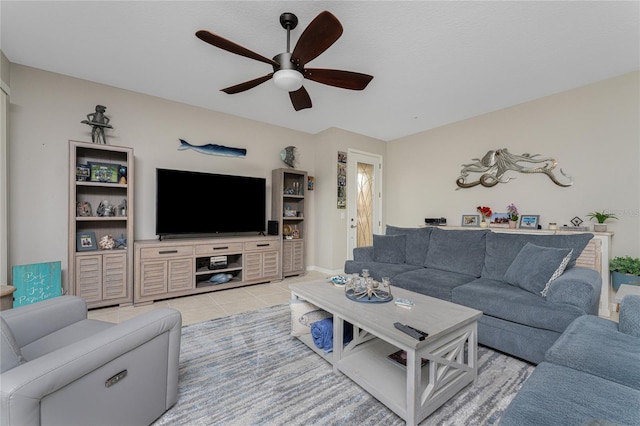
(495, 164)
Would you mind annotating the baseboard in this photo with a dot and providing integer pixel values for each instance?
(326, 271)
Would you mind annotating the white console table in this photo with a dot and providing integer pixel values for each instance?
(592, 256)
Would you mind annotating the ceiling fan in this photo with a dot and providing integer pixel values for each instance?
(289, 67)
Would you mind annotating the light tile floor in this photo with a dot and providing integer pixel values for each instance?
(216, 304)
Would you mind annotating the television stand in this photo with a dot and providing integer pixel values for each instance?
(180, 267)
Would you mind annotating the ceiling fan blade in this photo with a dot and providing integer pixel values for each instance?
(338, 78)
(232, 47)
(300, 99)
(321, 33)
(246, 85)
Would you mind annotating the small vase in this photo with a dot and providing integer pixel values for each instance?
(483, 224)
(512, 224)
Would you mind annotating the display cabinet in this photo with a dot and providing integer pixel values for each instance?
(100, 207)
(288, 191)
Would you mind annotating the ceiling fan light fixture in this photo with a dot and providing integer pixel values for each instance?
(289, 80)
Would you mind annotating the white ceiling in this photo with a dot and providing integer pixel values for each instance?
(433, 62)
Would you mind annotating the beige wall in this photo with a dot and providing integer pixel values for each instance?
(592, 131)
(329, 221)
(46, 110)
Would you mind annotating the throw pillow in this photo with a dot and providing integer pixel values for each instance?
(535, 267)
(310, 317)
(417, 242)
(303, 314)
(502, 249)
(389, 248)
(629, 321)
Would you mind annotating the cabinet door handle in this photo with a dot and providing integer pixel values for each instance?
(221, 248)
(167, 251)
(264, 245)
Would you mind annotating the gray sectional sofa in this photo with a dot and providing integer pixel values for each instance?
(590, 376)
(526, 285)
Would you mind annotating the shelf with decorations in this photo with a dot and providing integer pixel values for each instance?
(100, 223)
(289, 187)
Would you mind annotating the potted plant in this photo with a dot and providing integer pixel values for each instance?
(624, 270)
(600, 217)
(512, 211)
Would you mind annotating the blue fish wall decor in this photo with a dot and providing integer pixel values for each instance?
(213, 149)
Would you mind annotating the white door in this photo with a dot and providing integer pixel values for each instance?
(364, 199)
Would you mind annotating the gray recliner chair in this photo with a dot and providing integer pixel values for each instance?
(59, 368)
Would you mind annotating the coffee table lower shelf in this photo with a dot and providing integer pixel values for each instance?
(368, 364)
(412, 392)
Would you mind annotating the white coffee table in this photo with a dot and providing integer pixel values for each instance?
(413, 392)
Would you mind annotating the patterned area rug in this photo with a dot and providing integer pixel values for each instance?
(247, 370)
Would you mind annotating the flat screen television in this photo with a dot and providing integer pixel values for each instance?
(190, 202)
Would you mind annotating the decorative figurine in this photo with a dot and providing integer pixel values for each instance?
(83, 209)
(105, 209)
(106, 243)
(121, 242)
(213, 149)
(288, 155)
(122, 175)
(98, 121)
(122, 208)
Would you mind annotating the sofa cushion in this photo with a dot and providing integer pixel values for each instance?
(363, 254)
(460, 251)
(505, 301)
(389, 248)
(595, 346)
(521, 341)
(557, 395)
(629, 320)
(432, 282)
(417, 242)
(535, 267)
(502, 249)
(10, 354)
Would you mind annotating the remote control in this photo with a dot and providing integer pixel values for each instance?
(415, 333)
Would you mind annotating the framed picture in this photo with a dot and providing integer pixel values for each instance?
(310, 183)
(499, 220)
(104, 172)
(83, 173)
(86, 241)
(471, 220)
(529, 221)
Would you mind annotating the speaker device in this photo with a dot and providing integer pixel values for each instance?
(272, 227)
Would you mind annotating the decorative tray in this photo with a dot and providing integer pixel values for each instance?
(380, 297)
